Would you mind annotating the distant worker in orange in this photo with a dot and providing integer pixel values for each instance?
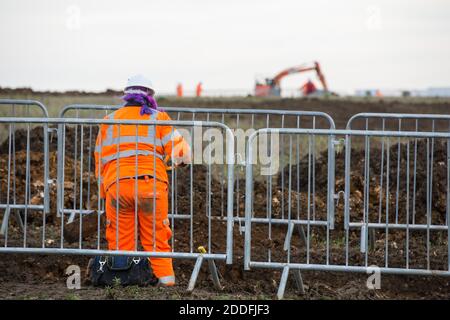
(308, 88)
(179, 90)
(199, 89)
(131, 162)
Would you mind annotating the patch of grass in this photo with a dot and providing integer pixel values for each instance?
(110, 293)
(339, 242)
(73, 296)
(113, 292)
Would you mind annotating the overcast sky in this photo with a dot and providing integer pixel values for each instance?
(93, 45)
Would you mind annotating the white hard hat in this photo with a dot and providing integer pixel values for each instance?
(140, 81)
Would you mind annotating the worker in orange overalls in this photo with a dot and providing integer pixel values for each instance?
(198, 89)
(179, 90)
(131, 163)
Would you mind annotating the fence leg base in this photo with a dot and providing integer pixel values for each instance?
(193, 280)
(289, 233)
(71, 217)
(19, 220)
(302, 232)
(5, 220)
(372, 239)
(287, 241)
(214, 274)
(196, 271)
(283, 281)
(299, 281)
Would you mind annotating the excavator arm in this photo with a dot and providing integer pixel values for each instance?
(272, 87)
(277, 79)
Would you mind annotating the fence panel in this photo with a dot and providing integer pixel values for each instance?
(17, 144)
(22, 108)
(411, 150)
(409, 231)
(77, 225)
(399, 122)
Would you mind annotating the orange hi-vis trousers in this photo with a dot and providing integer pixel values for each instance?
(122, 235)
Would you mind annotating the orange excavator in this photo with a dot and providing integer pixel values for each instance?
(272, 87)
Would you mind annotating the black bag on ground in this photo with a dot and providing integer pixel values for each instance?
(120, 270)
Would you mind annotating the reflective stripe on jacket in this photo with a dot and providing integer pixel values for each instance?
(127, 151)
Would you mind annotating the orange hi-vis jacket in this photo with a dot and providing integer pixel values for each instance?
(128, 151)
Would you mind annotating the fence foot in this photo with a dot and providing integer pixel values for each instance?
(5, 220)
(71, 217)
(299, 281)
(371, 239)
(290, 232)
(214, 274)
(196, 271)
(301, 230)
(284, 278)
(283, 281)
(287, 241)
(19, 220)
(193, 280)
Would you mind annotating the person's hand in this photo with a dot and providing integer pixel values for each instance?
(171, 166)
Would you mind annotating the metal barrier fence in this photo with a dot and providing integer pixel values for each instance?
(24, 105)
(82, 234)
(294, 219)
(399, 122)
(15, 197)
(414, 240)
(394, 122)
(243, 122)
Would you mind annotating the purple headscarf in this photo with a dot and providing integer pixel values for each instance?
(139, 97)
